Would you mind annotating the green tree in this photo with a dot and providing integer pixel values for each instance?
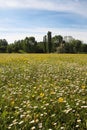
(57, 40)
(49, 42)
(29, 44)
(84, 48)
(45, 44)
(3, 45)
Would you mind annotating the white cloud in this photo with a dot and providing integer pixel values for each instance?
(38, 33)
(75, 6)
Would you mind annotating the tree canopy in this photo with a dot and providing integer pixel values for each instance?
(55, 44)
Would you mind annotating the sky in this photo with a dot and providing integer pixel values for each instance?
(21, 18)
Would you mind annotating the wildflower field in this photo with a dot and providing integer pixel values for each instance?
(43, 91)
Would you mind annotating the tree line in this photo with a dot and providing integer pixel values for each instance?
(56, 44)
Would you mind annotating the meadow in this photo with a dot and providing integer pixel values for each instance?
(43, 91)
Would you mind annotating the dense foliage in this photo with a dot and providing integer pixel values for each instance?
(43, 92)
(3, 45)
(56, 44)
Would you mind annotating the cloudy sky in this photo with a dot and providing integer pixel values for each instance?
(21, 18)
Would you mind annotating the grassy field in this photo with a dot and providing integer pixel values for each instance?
(43, 91)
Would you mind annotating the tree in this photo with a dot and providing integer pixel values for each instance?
(45, 44)
(68, 38)
(84, 48)
(39, 47)
(60, 49)
(29, 44)
(10, 48)
(3, 45)
(57, 40)
(76, 46)
(49, 44)
(49, 41)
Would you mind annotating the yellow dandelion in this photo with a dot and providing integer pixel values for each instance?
(60, 100)
(51, 85)
(40, 86)
(83, 87)
(52, 92)
(41, 94)
(67, 80)
(34, 87)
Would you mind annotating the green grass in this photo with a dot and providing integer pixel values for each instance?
(43, 91)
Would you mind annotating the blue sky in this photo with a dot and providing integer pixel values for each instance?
(21, 18)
